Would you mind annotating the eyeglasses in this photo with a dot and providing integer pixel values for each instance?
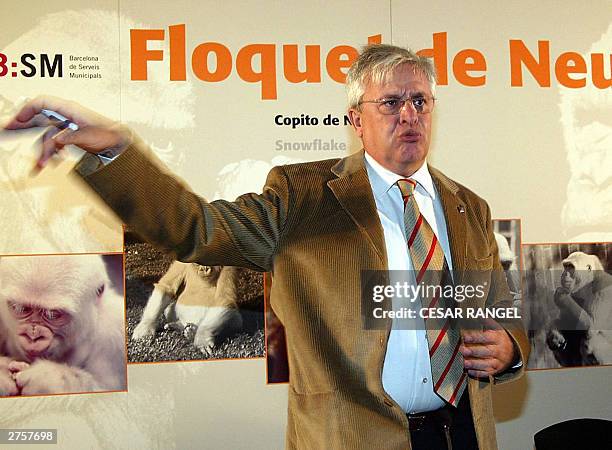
(422, 104)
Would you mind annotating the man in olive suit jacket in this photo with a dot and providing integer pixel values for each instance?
(316, 227)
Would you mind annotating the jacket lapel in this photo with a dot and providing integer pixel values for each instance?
(455, 214)
(354, 193)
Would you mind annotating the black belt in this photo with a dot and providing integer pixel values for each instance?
(438, 419)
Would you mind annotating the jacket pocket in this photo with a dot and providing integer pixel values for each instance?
(484, 263)
(314, 420)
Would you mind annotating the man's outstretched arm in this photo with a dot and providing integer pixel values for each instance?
(152, 201)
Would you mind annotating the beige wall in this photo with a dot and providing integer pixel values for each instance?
(509, 144)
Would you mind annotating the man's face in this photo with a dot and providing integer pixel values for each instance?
(398, 142)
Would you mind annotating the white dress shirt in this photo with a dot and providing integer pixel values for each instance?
(407, 369)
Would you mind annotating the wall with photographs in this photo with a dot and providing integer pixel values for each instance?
(223, 92)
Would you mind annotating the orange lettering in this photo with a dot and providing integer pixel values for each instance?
(139, 53)
(438, 52)
(461, 67)
(312, 74)
(520, 54)
(199, 62)
(570, 62)
(375, 39)
(267, 73)
(338, 58)
(178, 70)
(597, 66)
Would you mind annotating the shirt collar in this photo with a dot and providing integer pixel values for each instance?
(382, 179)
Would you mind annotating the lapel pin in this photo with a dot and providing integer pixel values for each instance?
(461, 209)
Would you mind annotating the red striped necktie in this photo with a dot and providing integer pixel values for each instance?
(430, 266)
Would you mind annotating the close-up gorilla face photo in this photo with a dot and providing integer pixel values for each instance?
(62, 327)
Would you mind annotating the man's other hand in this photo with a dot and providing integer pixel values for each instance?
(487, 352)
(96, 133)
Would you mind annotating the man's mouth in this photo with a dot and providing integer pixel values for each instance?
(410, 136)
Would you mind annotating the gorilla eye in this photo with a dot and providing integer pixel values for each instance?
(19, 309)
(52, 314)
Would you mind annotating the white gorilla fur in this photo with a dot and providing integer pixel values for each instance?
(198, 300)
(87, 353)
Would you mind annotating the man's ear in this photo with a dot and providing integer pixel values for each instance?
(355, 117)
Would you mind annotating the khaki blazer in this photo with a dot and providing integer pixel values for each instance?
(315, 228)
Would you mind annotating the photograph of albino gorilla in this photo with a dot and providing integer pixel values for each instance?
(185, 311)
(62, 326)
(569, 304)
(199, 301)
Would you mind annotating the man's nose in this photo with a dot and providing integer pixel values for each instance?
(408, 113)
